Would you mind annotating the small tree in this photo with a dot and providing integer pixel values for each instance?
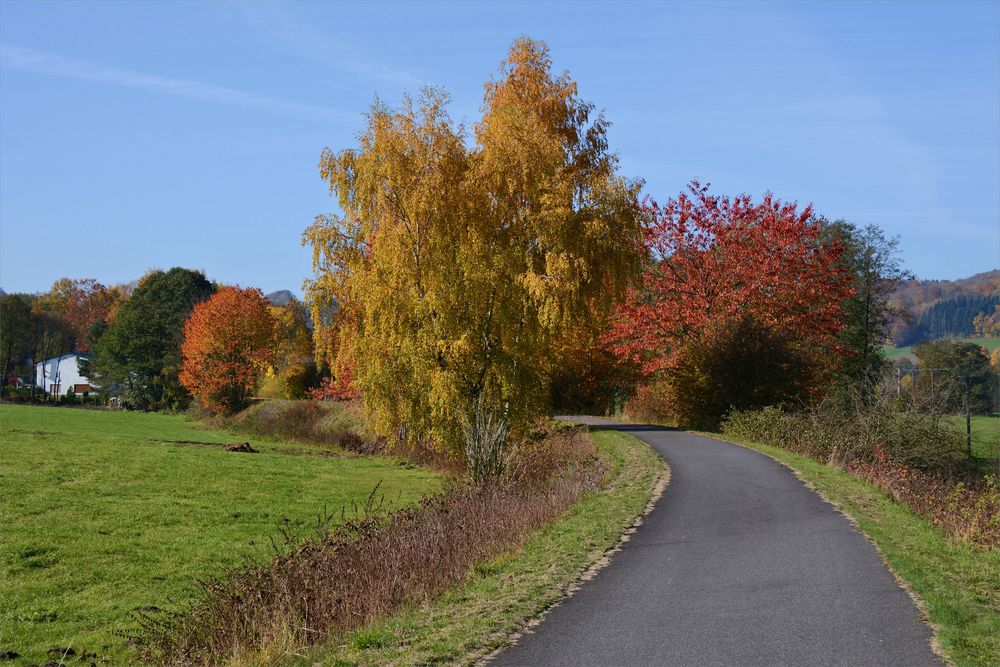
(51, 336)
(15, 334)
(954, 364)
(294, 371)
(873, 260)
(735, 365)
(228, 341)
(89, 304)
(585, 376)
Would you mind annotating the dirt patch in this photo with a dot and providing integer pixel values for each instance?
(9, 655)
(291, 451)
(324, 453)
(190, 443)
(201, 443)
(243, 447)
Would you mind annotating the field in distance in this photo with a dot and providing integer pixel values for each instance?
(105, 513)
(893, 353)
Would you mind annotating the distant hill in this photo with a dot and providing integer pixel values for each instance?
(943, 308)
(280, 297)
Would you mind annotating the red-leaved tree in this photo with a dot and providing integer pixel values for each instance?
(229, 341)
(340, 385)
(717, 261)
(88, 302)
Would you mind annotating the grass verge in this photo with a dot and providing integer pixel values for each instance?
(502, 595)
(103, 513)
(958, 583)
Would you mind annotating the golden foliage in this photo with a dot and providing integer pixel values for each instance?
(293, 371)
(452, 269)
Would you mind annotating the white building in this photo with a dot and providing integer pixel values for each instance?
(59, 375)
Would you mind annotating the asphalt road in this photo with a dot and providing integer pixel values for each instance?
(739, 563)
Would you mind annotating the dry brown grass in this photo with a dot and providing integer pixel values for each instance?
(966, 507)
(912, 456)
(317, 589)
(339, 425)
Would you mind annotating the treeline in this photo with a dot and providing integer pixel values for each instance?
(67, 318)
(132, 336)
(932, 309)
(485, 279)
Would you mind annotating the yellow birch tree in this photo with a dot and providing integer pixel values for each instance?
(452, 270)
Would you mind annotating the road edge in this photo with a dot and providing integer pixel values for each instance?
(591, 571)
(918, 602)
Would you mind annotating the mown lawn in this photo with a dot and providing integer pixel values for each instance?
(103, 513)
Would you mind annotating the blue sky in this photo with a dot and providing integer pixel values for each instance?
(145, 134)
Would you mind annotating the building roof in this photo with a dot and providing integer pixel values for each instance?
(65, 355)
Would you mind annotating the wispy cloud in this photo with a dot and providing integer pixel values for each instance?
(41, 62)
(281, 23)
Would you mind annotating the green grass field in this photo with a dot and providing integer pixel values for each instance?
(985, 435)
(893, 353)
(102, 513)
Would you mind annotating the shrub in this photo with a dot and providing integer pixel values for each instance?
(913, 456)
(739, 364)
(855, 427)
(650, 404)
(292, 381)
(486, 448)
(551, 450)
(308, 421)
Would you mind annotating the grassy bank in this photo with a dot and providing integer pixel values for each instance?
(502, 595)
(957, 582)
(103, 513)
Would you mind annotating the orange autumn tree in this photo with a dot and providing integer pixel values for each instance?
(229, 341)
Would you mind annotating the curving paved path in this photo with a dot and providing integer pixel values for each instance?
(738, 564)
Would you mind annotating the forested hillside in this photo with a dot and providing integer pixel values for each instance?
(943, 308)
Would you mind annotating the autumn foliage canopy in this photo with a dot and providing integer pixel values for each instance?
(82, 304)
(719, 265)
(460, 259)
(229, 341)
